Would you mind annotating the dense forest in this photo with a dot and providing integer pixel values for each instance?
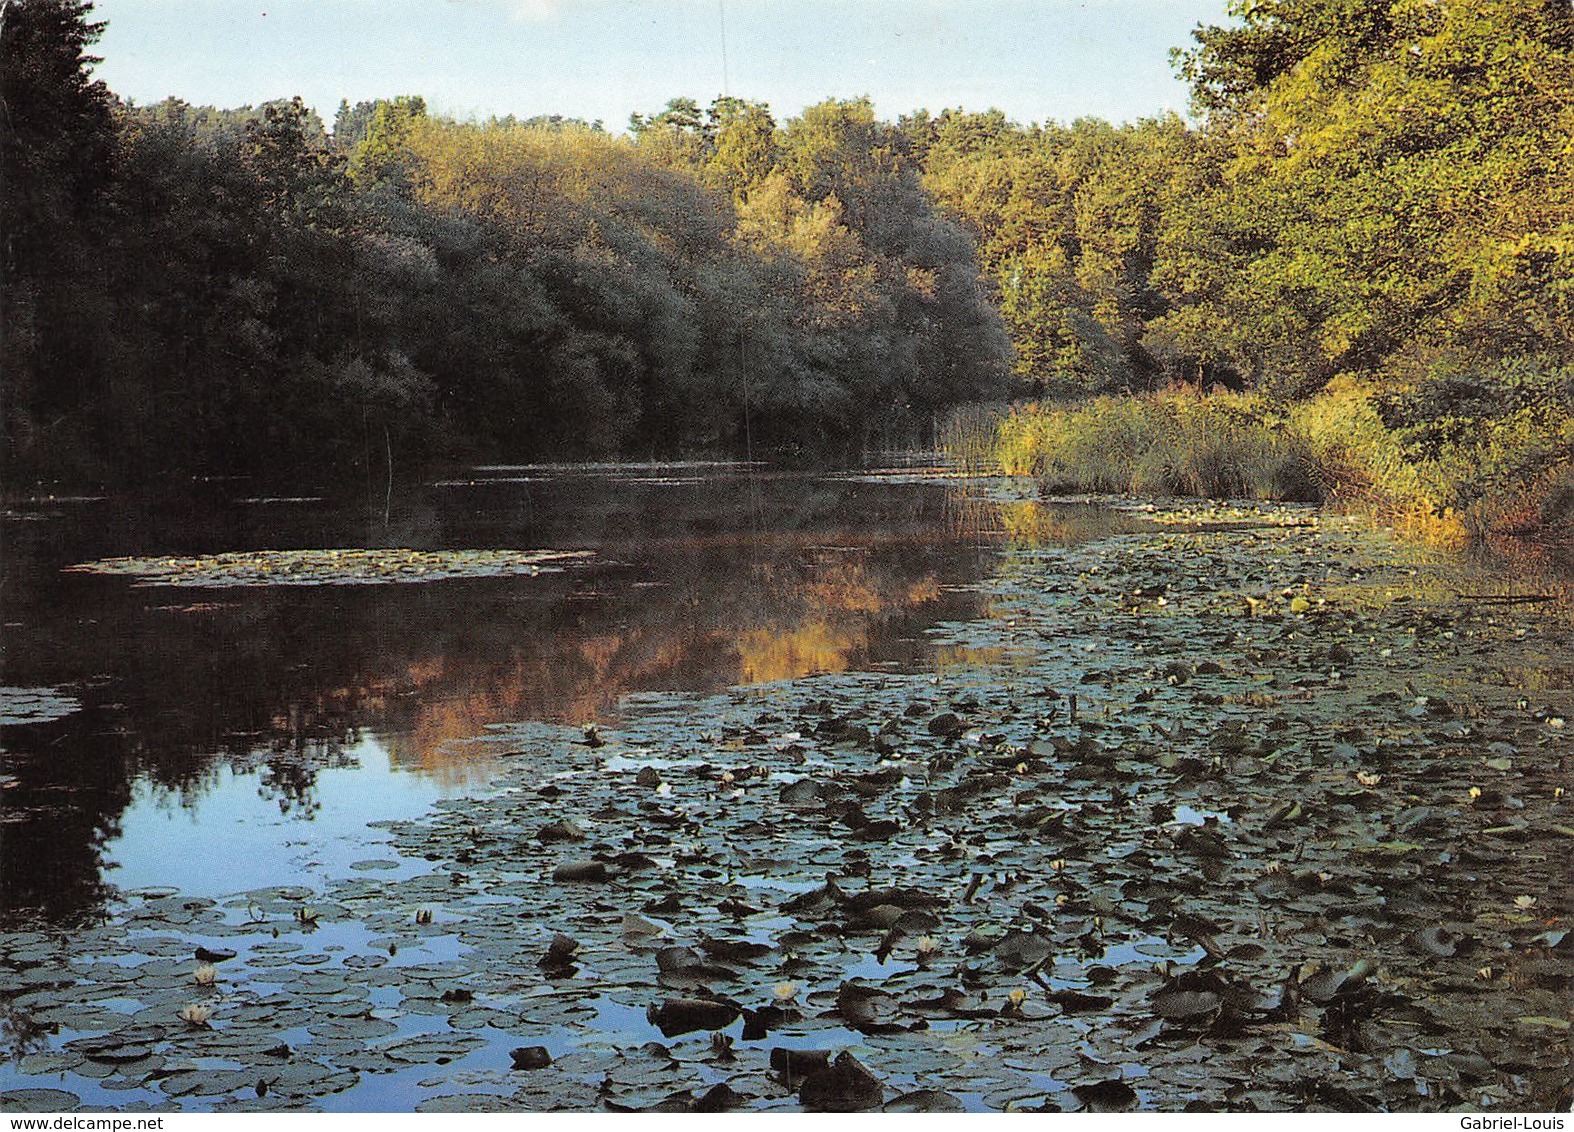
(1368, 226)
(203, 292)
(1371, 229)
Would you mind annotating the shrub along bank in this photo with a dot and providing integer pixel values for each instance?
(1450, 460)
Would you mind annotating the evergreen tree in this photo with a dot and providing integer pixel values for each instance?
(56, 140)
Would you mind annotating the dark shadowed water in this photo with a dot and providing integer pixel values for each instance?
(225, 738)
(1250, 808)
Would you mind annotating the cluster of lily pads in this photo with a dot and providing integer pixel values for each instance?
(343, 567)
(1213, 820)
(35, 705)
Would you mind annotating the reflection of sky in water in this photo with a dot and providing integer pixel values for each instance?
(232, 837)
(702, 577)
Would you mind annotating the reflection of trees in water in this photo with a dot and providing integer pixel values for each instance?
(70, 788)
(72, 780)
(287, 771)
(1031, 523)
(292, 783)
(693, 588)
(20, 1034)
(744, 621)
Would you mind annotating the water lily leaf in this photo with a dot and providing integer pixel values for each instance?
(925, 1100)
(1290, 813)
(329, 567)
(1107, 1096)
(868, 1009)
(1435, 939)
(947, 725)
(530, 1057)
(562, 830)
(815, 902)
(560, 953)
(1079, 1002)
(795, 1065)
(1020, 950)
(955, 1003)
(735, 950)
(47, 1063)
(677, 1016)
(571, 872)
(1469, 1066)
(466, 1102)
(39, 1100)
(208, 1082)
(1328, 983)
(1185, 1005)
(20, 706)
(846, 1085)
(374, 865)
(1401, 1064)
(685, 968)
(1541, 1020)
(438, 1049)
(803, 792)
(720, 1098)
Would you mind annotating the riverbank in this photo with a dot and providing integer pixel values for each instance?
(1491, 470)
(1251, 810)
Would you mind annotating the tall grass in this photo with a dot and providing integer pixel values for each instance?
(968, 436)
(1227, 446)
(1448, 480)
(1361, 463)
(1444, 476)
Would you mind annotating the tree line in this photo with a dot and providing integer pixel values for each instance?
(1370, 225)
(1376, 192)
(192, 291)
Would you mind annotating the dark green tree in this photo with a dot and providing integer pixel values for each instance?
(56, 141)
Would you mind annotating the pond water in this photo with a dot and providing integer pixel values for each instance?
(634, 788)
(214, 738)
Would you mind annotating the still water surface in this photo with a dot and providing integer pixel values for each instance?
(232, 738)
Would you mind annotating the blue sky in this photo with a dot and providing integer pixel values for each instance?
(1034, 59)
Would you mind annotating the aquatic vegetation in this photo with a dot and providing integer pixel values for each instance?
(1224, 446)
(35, 705)
(345, 567)
(1277, 855)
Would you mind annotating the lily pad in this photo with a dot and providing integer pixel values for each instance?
(677, 1016)
(925, 1100)
(466, 1102)
(435, 1049)
(1113, 1095)
(21, 706)
(845, 1085)
(530, 1057)
(39, 1100)
(868, 1009)
(342, 567)
(1185, 1005)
